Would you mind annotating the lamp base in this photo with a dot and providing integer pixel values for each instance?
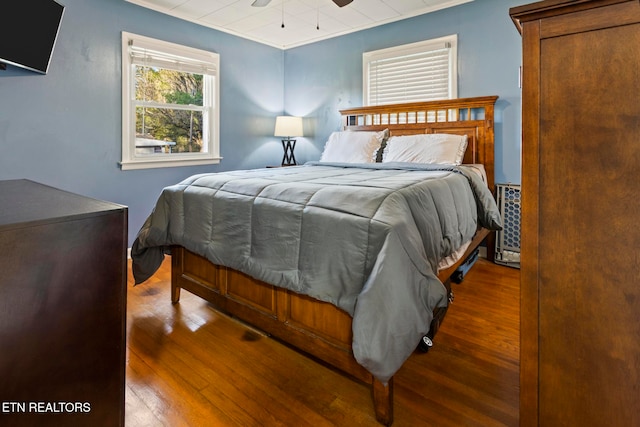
(288, 159)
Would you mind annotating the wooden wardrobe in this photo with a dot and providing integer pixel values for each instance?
(580, 248)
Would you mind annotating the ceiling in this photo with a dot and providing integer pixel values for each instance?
(301, 17)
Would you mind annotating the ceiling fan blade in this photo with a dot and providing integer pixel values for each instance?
(342, 3)
(260, 3)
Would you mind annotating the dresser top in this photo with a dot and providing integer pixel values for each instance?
(25, 202)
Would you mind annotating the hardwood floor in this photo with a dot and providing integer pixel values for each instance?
(188, 365)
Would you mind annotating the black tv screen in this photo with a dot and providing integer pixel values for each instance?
(28, 32)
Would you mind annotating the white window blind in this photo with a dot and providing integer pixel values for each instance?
(422, 71)
(146, 54)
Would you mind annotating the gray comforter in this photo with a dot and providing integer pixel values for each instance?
(366, 238)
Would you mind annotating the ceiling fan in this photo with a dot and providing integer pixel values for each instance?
(261, 3)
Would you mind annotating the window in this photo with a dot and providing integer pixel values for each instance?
(423, 71)
(170, 111)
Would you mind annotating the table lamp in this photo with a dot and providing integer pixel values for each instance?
(288, 126)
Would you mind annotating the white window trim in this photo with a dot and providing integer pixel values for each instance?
(129, 158)
(450, 41)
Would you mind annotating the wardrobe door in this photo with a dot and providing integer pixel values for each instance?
(581, 216)
(589, 203)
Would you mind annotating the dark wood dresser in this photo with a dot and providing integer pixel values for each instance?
(62, 307)
(580, 247)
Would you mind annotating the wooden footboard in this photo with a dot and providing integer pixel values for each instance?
(314, 327)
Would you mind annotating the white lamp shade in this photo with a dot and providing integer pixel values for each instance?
(288, 126)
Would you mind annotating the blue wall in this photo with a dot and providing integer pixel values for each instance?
(325, 77)
(64, 128)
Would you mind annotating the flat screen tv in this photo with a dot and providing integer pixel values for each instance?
(28, 32)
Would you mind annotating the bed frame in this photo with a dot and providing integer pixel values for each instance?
(318, 328)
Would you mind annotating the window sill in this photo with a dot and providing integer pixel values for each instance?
(167, 163)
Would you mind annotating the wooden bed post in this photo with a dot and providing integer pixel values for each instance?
(176, 268)
(383, 401)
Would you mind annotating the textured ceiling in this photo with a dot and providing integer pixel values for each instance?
(301, 18)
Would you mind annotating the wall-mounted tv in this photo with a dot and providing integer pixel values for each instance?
(28, 32)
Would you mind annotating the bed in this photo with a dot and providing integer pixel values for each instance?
(334, 257)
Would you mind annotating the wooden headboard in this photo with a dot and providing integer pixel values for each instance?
(464, 116)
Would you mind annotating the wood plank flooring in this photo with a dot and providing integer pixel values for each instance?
(188, 365)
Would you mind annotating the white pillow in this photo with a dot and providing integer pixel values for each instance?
(434, 148)
(353, 146)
